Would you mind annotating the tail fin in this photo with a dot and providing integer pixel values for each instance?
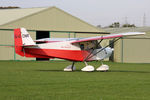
(22, 38)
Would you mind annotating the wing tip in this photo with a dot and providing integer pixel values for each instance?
(133, 33)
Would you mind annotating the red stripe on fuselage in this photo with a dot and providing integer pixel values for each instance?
(36, 56)
(74, 55)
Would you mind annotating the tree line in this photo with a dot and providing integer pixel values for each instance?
(9, 7)
(117, 25)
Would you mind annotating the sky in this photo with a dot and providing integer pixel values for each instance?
(95, 12)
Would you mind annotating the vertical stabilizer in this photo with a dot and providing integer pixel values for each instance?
(18, 42)
(22, 38)
(26, 38)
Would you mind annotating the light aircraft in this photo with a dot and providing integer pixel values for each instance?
(72, 49)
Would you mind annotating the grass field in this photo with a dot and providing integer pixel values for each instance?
(30, 80)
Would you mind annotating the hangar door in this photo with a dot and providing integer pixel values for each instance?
(40, 35)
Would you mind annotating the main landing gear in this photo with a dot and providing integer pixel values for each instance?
(103, 68)
(88, 68)
(70, 68)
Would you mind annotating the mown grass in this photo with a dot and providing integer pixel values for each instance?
(30, 80)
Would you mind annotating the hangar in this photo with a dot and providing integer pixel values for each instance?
(133, 49)
(41, 23)
(54, 22)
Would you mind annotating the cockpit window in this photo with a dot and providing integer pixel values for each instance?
(82, 46)
(97, 45)
(89, 45)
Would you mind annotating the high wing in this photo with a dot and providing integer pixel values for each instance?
(108, 36)
(48, 40)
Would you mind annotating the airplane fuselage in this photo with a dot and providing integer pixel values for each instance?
(67, 50)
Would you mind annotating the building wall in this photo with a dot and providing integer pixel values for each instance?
(6, 37)
(7, 51)
(61, 35)
(132, 50)
(6, 43)
(118, 51)
(136, 50)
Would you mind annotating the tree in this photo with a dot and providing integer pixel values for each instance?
(99, 26)
(9, 7)
(128, 25)
(114, 25)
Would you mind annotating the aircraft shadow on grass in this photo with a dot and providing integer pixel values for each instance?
(110, 71)
(56, 70)
(128, 71)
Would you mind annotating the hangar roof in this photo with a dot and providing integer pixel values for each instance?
(44, 19)
(119, 30)
(9, 15)
(135, 29)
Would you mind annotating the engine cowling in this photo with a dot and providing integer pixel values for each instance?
(103, 53)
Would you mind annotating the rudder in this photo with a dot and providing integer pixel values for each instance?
(22, 38)
(18, 42)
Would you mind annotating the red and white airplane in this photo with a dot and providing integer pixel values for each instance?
(72, 49)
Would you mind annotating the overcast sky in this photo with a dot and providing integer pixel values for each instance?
(96, 12)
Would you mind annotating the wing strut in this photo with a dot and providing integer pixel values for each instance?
(101, 49)
(93, 49)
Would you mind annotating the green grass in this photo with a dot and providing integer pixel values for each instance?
(30, 80)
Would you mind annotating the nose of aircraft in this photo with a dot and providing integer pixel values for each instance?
(108, 51)
(103, 53)
(112, 49)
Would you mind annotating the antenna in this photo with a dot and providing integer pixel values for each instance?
(144, 20)
(126, 20)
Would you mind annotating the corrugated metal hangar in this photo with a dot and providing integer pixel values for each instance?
(41, 23)
(135, 49)
(54, 22)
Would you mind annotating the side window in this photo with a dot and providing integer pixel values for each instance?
(82, 46)
(97, 46)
